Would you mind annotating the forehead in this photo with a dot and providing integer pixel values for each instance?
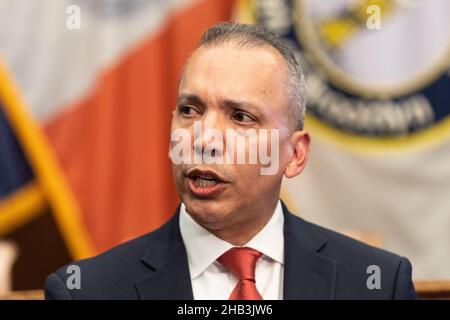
(230, 71)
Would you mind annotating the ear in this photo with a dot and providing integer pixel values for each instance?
(300, 144)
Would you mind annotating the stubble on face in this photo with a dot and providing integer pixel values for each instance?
(216, 75)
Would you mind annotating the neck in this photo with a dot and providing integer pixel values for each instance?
(241, 232)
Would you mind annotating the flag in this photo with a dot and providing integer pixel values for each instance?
(87, 90)
(378, 83)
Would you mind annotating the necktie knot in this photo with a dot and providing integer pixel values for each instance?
(241, 262)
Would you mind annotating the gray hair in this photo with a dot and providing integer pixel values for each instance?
(252, 35)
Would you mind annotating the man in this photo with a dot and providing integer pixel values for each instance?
(231, 237)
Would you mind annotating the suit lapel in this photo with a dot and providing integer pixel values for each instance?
(169, 276)
(307, 274)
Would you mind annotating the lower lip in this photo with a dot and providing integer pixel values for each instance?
(204, 192)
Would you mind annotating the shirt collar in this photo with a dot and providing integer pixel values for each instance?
(203, 248)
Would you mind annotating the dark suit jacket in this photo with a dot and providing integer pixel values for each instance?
(319, 264)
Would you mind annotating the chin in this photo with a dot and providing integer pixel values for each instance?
(208, 211)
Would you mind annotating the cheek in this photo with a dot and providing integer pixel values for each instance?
(177, 175)
(174, 122)
(250, 179)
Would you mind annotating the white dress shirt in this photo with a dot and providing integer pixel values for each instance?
(211, 280)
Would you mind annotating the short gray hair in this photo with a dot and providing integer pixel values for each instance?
(252, 35)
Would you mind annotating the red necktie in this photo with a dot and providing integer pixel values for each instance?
(241, 262)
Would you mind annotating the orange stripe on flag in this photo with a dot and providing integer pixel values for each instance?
(113, 145)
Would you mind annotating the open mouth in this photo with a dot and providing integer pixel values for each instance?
(204, 177)
(205, 182)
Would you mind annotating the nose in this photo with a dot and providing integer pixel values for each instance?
(209, 135)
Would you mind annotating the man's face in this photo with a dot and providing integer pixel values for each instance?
(230, 87)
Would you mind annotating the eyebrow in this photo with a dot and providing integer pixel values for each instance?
(229, 103)
(191, 98)
(242, 105)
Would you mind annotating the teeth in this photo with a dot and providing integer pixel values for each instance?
(206, 176)
(203, 183)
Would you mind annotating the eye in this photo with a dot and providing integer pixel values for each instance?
(242, 117)
(186, 111)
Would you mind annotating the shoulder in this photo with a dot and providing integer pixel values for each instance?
(339, 245)
(360, 265)
(112, 273)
